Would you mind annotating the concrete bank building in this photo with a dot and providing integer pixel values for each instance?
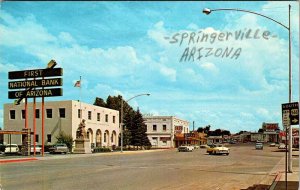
(161, 130)
(102, 124)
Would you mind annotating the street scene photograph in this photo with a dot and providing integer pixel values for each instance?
(149, 95)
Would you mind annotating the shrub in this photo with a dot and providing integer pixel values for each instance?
(101, 149)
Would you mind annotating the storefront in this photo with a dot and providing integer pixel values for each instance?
(193, 138)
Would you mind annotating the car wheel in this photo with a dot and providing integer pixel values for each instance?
(227, 154)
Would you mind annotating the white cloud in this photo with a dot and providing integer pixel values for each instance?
(20, 32)
(209, 67)
(168, 72)
(66, 37)
(263, 112)
(158, 33)
(5, 68)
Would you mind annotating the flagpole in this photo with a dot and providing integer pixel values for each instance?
(80, 98)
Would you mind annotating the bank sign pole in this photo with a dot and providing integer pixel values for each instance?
(35, 84)
(290, 116)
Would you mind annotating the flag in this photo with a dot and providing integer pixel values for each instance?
(77, 84)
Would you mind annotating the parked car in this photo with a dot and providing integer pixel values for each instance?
(272, 145)
(232, 142)
(11, 148)
(59, 148)
(281, 146)
(259, 146)
(196, 146)
(204, 146)
(38, 149)
(185, 148)
(217, 149)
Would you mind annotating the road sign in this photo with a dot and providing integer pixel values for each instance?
(35, 93)
(35, 83)
(292, 110)
(35, 73)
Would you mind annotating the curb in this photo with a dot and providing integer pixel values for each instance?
(17, 160)
(277, 178)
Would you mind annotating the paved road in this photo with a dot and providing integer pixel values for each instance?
(166, 169)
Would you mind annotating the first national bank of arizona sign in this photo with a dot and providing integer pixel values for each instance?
(35, 83)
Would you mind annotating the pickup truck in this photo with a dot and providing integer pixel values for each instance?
(217, 149)
(59, 148)
(185, 148)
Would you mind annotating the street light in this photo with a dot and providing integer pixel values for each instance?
(121, 124)
(208, 11)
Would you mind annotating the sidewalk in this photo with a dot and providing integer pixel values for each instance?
(47, 156)
(292, 178)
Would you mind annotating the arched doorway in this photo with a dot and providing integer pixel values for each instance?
(98, 138)
(106, 140)
(114, 138)
(90, 136)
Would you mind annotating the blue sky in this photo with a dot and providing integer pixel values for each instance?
(123, 48)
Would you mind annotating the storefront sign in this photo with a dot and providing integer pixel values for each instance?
(35, 73)
(291, 109)
(270, 127)
(35, 93)
(35, 83)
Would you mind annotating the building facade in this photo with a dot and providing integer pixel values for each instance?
(102, 124)
(192, 138)
(161, 130)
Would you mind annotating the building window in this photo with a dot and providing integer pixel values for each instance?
(49, 138)
(23, 114)
(12, 114)
(37, 138)
(154, 127)
(62, 112)
(37, 113)
(89, 115)
(104, 137)
(98, 116)
(79, 113)
(106, 117)
(49, 113)
(164, 127)
(114, 119)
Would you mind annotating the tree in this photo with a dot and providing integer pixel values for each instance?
(226, 132)
(99, 102)
(128, 133)
(62, 137)
(139, 130)
(207, 129)
(218, 132)
(200, 130)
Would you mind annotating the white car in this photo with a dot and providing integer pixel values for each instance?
(11, 148)
(281, 146)
(38, 149)
(185, 148)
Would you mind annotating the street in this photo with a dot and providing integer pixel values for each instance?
(167, 169)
